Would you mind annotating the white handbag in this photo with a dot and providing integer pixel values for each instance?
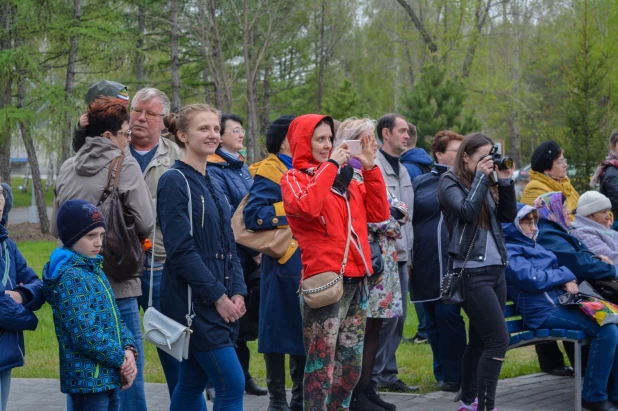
(160, 330)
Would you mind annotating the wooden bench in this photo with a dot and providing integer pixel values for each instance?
(520, 336)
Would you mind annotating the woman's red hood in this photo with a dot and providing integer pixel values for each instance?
(299, 135)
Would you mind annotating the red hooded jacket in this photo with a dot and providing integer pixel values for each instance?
(318, 216)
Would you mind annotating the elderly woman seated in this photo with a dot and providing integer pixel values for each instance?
(535, 280)
(592, 225)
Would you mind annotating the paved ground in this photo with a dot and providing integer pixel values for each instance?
(531, 392)
(21, 215)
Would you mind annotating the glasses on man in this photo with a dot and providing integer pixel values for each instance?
(150, 115)
(238, 130)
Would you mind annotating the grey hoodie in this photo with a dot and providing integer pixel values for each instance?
(600, 240)
(85, 177)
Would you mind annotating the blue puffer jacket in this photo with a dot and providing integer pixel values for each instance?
(416, 161)
(15, 318)
(91, 335)
(234, 178)
(572, 253)
(206, 260)
(533, 276)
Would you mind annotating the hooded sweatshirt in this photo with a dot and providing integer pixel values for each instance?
(318, 215)
(91, 335)
(85, 177)
(533, 276)
(416, 161)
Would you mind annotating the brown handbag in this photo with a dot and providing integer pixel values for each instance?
(273, 243)
(123, 257)
(326, 288)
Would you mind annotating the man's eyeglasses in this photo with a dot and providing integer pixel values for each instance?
(238, 131)
(150, 115)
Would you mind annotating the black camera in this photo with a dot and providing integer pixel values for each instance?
(503, 163)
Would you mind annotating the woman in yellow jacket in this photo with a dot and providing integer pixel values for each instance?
(549, 173)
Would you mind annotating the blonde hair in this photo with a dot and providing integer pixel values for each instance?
(353, 128)
(176, 122)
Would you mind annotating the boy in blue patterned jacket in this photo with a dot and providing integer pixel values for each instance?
(97, 351)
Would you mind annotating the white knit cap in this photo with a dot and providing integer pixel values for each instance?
(592, 202)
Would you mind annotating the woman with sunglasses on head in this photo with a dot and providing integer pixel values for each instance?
(476, 197)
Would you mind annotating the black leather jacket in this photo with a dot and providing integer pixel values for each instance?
(461, 208)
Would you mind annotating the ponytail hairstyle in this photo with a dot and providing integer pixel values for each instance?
(175, 122)
(470, 145)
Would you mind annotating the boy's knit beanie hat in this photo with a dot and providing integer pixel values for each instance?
(75, 219)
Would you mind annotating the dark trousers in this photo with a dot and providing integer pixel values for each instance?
(447, 336)
(244, 357)
(485, 291)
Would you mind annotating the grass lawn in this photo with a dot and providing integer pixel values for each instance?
(415, 361)
(25, 199)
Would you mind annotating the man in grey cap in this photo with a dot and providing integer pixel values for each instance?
(102, 88)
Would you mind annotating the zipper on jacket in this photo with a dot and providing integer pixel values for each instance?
(324, 223)
(549, 298)
(113, 304)
(203, 211)
(21, 352)
(462, 232)
(440, 244)
(96, 371)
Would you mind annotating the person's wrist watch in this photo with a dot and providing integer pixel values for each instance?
(132, 349)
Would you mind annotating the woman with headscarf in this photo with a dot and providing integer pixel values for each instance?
(535, 281)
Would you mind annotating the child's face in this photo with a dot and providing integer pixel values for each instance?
(90, 244)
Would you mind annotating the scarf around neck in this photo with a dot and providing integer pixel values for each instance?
(610, 160)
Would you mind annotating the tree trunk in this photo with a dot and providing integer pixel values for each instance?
(223, 88)
(141, 32)
(69, 84)
(34, 163)
(6, 83)
(480, 18)
(419, 26)
(321, 57)
(265, 117)
(175, 66)
(252, 126)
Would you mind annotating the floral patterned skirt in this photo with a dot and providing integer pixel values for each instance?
(334, 339)
(385, 292)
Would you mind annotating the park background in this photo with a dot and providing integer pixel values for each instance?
(521, 71)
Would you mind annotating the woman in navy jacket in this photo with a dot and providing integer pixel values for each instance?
(227, 168)
(281, 325)
(535, 281)
(202, 255)
(21, 293)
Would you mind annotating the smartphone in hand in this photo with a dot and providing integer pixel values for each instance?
(354, 146)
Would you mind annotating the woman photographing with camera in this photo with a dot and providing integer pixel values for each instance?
(476, 196)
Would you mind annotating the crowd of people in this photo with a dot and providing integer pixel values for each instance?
(335, 232)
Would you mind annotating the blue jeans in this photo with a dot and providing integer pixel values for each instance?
(220, 367)
(602, 359)
(5, 386)
(421, 331)
(170, 365)
(447, 336)
(385, 369)
(103, 401)
(133, 398)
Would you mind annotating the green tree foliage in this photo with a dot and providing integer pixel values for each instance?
(436, 103)
(345, 102)
(588, 103)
